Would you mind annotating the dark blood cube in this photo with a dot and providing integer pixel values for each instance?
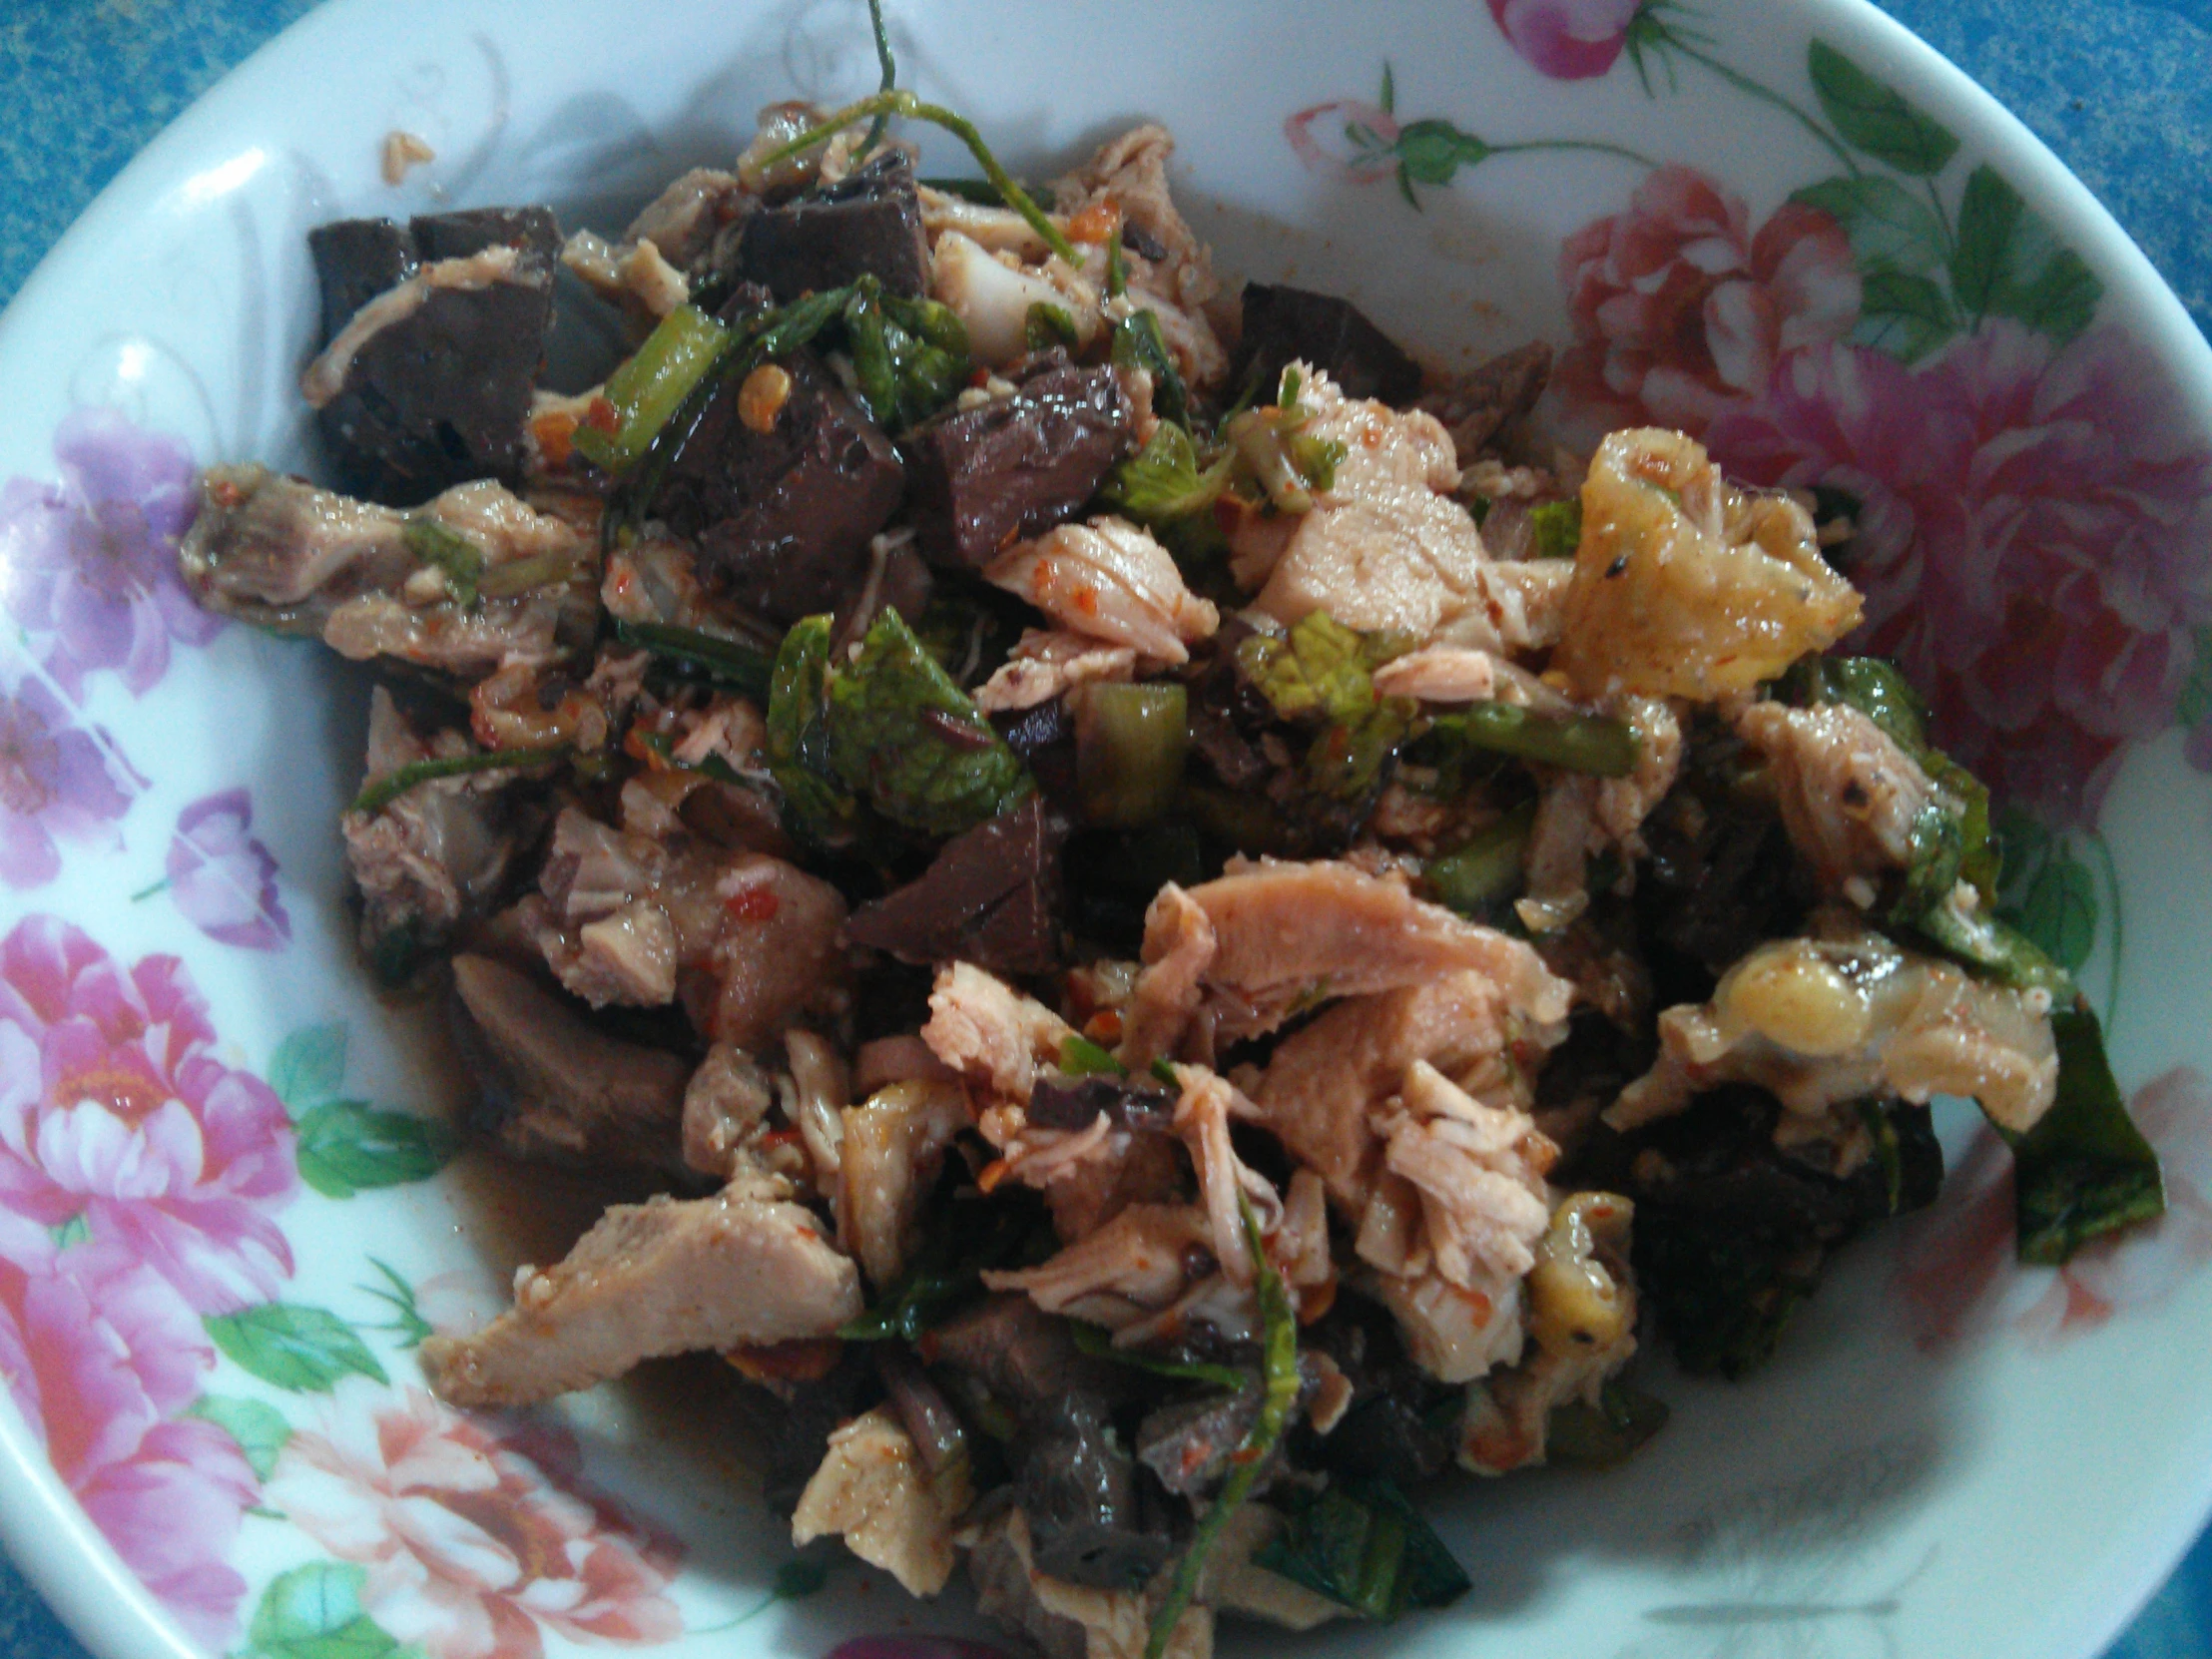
(867, 222)
(1285, 324)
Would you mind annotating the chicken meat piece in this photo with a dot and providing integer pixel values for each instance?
(1070, 1621)
(670, 1276)
(1046, 664)
(596, 922)
(434, 858)
(558, 1088)
(1852, 800)
(1684, 585)
(1136, 1265)
(471, 581)
(1842, 1015)
(1480, 1170)
(892, 1146)
(1454, 1333)
(990, 1034)
(1108, 579)
(873, 1492)
(726, 1114)
(1238, 955)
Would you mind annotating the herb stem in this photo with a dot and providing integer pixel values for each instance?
(382, 791)
(891, 74)
(1766, 95)
(902, 103)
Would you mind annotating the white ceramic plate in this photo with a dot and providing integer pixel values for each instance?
(1840, 261)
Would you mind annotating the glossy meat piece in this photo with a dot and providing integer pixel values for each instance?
(991, 897)
(1285, 324)
(873, 1492)
(1109, 580)
(783, 517)
(650, 1279)
(985, 477)
(867, 223)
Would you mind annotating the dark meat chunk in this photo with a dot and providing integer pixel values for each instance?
(1722, 878)
(1478, 407)
(1284, 324)
(555, 1087)
(1079, 1486)
(867, 222)
(436, 392)
(1016, 466)
(797, 1431)
(1023, 1357)
(783, 517)
(1400, 1423)
(1074, 1103)
(991, 897)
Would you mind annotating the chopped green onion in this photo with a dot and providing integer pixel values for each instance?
(520, 576)
(1486, 872)
(891, 74)
(1080, 1057)
(448, 550)
(1278, 1379)
(1117, 269)
(382, 791)
(1099, 1342)
(1164, 1070)
(652, 384)
(1573, 743)
(903, 103)
(1558, 528)
(1130, 741)
(1046, 326)
(725, 662)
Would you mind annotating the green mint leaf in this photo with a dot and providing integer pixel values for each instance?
(304, 1350)
(1321, 671)
(308, 1067)
(1903, 314)
(346, 1147)
(260, 1430)
(1162, 482)
(2058, 910)
(901, 731)
(1876, 118)
(816, 807)
(1890, 227)
(2085, 1170)
(315, 1613)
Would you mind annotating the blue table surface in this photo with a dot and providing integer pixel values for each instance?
(2120, 89)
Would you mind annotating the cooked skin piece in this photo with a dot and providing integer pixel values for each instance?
(1849, 797)
(1683, 586)
(1070, 1621)
(873, 1492)
(1110, 580)
(670, 1276)
(1844, 1015)
(1240, 954)
(888, 1160)
(600, 930)
(992, 1034)
(284, 555)
(436, 857)
(1133, 1266)
(560, 1089)
(1045, 665)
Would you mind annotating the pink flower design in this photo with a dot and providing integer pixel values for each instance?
(475, 1543)
(1956, 1271)
(58, 781)
(2034, 541)
(114, 1111)
(1680, 311)
(100, 1355)
(1347, 139)
(223, 880)
(90, 562)
(1568, 40)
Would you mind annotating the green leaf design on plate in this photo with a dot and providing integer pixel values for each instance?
(1903, 314)
(1876, 118)
(75, 1231)
(1890, 227)
(260, 1430)
(1430, 151)
(2008, 264)
(308, 1067)
(304, 1350)
(346, 1147)
(315, 1613)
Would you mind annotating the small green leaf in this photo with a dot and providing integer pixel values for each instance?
(1903, 316)
(299, 1348)
(346, 1147)
(1430, 151)
(1875, 117)
(308, 1067)
(315, 1613)
(1890, 227)
(2059, 910)
(75, 1231)
(261, 1430)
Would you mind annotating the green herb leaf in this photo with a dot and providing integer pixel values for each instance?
(301, 1349)
(724, 662)
(1046, 326)
(652, 383)
(1364, 1545)
(1162, 482)
(1876, 118)
(382, 791)
(1130, 741)
(1279, 1385)
(1890, 228)
(1138, 344)
(1475, 879)
(346, 1147)
(308, 1067)
(315, 1613)
(1080, 1057)
(2085, 1170)
(1557, 526)
(1599, 1436)
(1321, 671)
(817, 805)
(1099, 1342)
(260, 1430)
(911, 356)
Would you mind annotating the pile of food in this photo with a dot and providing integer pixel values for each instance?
(1194, 924)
